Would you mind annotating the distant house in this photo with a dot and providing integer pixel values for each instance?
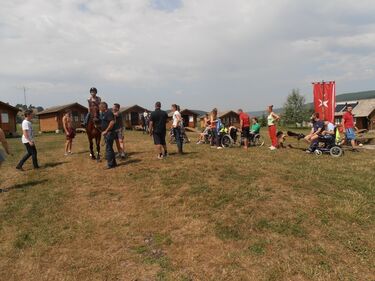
(132, 115)
(8, 115)
(363, 111)
(50, 119)
(190, 117)
(227, 117)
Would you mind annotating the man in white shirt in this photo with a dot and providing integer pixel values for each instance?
(28, 141)
(176, 125)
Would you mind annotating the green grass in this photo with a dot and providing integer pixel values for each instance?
(208, 215)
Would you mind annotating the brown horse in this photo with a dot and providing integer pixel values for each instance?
(94, 132)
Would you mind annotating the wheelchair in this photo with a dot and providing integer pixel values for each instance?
(256, 140)
(327, 145)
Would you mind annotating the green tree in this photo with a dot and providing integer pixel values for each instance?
(263, 120)
(295, 109)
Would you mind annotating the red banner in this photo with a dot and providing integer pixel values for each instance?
(325, 100)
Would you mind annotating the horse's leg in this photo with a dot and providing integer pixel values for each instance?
(92, 148)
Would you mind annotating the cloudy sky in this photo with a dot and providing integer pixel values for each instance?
(197, 53)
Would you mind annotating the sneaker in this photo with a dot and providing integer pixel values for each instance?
(308, 151)
(165, 155)
(160, 156)
(20, 169)
(219, 147)
(272, 148)
(70, 152)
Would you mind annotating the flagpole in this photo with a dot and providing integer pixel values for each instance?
(324, 98)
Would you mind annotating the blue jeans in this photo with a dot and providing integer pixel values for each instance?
(110, 155)
(87, 118)
(179, 138)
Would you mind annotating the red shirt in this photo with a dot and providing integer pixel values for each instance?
(245, 120)
(348, 120)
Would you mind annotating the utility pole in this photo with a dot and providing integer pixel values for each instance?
(24, 95)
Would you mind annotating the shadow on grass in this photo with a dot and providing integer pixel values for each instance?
(24, 185)
(53, 164)
(129, 161)
(185, 153)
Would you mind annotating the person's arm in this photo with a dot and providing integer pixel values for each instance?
(27, 137)
(343, 122)
(65, 128)
(241, 125)
(110, 126)
(4, 142)
(275, 116)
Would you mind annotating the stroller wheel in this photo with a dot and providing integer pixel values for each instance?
(318, 152)
(336, 151)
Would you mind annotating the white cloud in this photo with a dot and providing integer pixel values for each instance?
(202, 53)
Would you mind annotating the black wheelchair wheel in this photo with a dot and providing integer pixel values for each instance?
(258, 140)
(226, 141)
(336, 151)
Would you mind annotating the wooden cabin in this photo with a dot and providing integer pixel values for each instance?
(8, 119)
(189, 116)
(363, 111)
(227, 117)
(131, 116)
(50, 119)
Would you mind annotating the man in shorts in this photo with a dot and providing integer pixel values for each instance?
(119, 130)
(158, 130)
(349, 127)
(244, 127)
(69, 132)
(5, 145)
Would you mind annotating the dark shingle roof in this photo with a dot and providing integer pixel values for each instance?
(59, 108)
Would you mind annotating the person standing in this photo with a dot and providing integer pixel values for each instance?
(177, 125)
(119, 130)
(5, 145)
(107, 124)
(244, 127)
(158, 130)
(215, 141)
(28, 141)
(349, 127)
(271, 120)
(69, 132)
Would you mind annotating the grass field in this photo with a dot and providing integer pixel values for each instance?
(207, 215)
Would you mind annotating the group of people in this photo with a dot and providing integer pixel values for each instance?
(327, 130)
(248, 128)
(111, 127)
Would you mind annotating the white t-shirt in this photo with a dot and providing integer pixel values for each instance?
(176, 119)
(27, 126)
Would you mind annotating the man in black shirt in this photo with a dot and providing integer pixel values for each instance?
(107, 124)
(158, 130)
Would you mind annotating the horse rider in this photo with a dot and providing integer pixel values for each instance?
(94, 102)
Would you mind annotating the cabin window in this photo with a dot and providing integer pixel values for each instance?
(5, 118)
(75, 116)
(82, 117)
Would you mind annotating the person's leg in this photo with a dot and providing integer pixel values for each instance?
(272, 133)
(66, 147)
(25, 157)
(34, 155)
(214, 137)
(110, 153)
(178, 137)
(87, 118)
(70, 145)
(246, 137)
